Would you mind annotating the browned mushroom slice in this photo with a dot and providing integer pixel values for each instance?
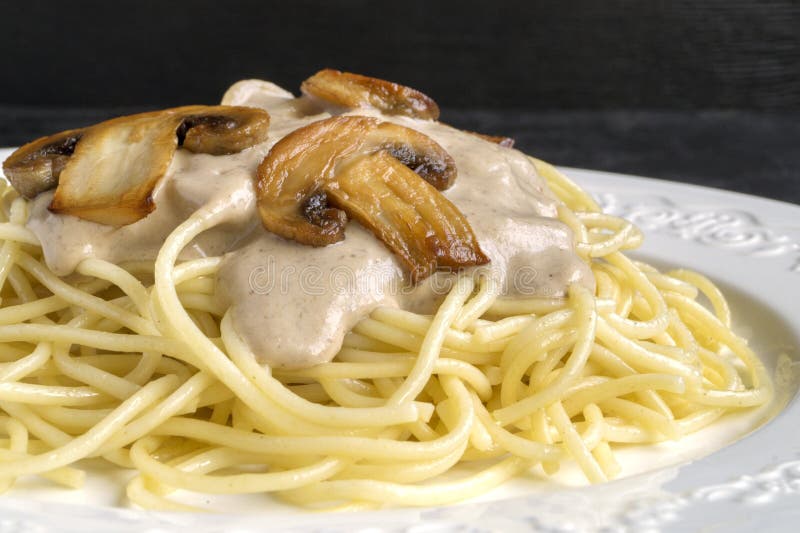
(418, 152)
(420, 225)
(349, 165)
(221, 130)
(290, 180)
(349, 90)
(116, 164)
(298, 167)
(35, 167)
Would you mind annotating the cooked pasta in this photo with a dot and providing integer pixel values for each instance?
(138, 364)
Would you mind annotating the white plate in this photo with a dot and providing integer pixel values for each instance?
(748, 245)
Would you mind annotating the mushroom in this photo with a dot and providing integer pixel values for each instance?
(352, 91)
(107, 172)
(386, 176)
(221, 130)
(348, 90)
(35, 167)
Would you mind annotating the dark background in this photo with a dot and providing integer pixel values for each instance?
(699, 91)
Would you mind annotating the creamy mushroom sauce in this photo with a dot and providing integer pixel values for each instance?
(292, 303)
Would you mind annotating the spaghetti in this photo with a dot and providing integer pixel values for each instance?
(135, 363)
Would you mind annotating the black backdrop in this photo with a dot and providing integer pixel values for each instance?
(544, 54)
(704, 91)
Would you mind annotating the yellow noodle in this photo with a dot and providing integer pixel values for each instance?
(140, 365)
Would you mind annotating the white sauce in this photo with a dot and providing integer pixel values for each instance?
(293, 304)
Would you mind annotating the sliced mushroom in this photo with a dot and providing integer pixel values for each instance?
(115, 166)
(221, 130)
(419, 224)
(35, 167)
(317, 176)
(418, 152)
(348, 90)
(291, 178)
(106, 173)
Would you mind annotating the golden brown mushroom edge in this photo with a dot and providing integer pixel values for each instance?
(352, 91)
(386, 176)
(348, 91)
(106, 173)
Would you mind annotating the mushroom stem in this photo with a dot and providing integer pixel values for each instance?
(386, 176)
(107, 172)
(416, 222)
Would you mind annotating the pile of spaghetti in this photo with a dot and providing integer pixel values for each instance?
(136, 364)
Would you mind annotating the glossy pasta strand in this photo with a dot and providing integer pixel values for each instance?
(154, 377)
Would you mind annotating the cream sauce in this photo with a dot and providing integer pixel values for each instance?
(293, 304)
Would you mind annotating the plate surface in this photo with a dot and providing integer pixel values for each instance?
(750, 246)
